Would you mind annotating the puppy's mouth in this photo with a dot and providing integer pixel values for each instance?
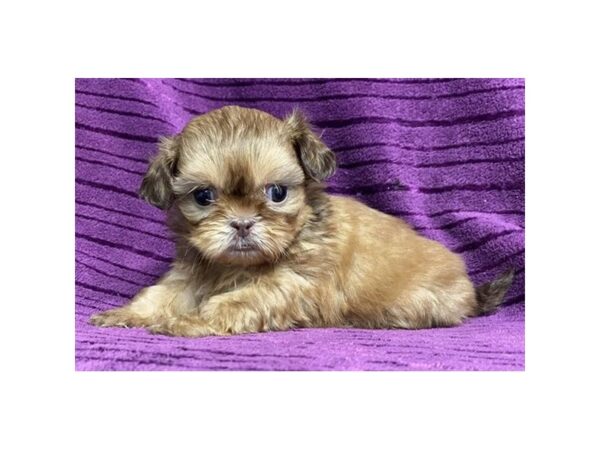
(245, 251)
(243, 247)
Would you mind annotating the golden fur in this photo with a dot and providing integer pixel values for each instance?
(312, 260)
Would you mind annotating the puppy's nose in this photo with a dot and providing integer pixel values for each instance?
(242, 226)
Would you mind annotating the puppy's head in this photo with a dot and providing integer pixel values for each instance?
(239, 177)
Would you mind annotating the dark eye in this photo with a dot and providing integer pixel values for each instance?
(204, 197)
(276, 193)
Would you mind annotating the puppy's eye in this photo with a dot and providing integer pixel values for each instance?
(205, 197)
(276, 193)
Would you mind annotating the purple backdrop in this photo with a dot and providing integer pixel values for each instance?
(447, 155)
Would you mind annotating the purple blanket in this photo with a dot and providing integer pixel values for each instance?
(446, 155)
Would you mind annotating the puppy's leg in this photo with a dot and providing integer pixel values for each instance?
(247, 310)
(154, 304)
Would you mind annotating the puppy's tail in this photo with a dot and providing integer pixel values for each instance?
(490, 295)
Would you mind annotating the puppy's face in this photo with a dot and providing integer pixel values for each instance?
(238, 177)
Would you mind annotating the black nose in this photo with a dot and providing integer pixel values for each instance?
(242, 226)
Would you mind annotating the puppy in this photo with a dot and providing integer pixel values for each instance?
(261, 246)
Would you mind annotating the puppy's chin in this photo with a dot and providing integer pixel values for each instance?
(244, 257)
(237, 254)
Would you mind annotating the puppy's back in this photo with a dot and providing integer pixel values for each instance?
(389, 271)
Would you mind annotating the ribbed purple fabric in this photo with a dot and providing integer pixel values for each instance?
(446, 155)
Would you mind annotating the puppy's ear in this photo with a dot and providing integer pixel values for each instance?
(317, 160)
(156, 186)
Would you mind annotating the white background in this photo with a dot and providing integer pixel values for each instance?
(44, 402)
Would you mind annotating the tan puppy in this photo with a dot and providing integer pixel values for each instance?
(261, 246)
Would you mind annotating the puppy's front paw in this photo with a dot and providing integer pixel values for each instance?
(119, 317)
(182, 327)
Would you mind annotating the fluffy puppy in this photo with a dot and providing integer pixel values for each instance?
(261, 246)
